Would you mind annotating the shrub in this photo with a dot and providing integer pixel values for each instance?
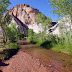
(10, 34)
(13, 46)
(63, 44)
(20, 36)
(30, 35)
(13, 33)
(40, 38)
(47, 22)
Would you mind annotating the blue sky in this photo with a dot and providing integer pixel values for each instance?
(41, 5)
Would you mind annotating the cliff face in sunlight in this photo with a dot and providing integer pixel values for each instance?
(25, 13)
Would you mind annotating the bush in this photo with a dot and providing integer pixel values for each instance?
(10, 34)
(40, 38)
(50, 41)
(47, 22)
(13, 46)
(30, 36)
(20, 36)
(13, 33)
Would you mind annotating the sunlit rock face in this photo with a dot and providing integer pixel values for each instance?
(25, 13)
(37, 28)
(64, 25)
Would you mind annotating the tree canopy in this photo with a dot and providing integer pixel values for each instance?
(40, 18)
(62, 7)
(3, 7)
(48, 22)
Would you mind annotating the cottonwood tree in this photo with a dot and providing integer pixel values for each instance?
(62, 7)
(3, 8)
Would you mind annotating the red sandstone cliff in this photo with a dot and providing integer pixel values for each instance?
(25, 13)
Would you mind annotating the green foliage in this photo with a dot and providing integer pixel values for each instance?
(8, 19)
(30, 35)
(10, 50)
(40, 18)
(47, 22)
(12, 33)
(63, 46)
(4, 56)
(12, 46)
(20, 36)
(3, 7)
(40, 38)
(62, 7)
(50, 41)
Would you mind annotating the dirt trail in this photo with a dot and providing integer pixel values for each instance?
(23, 62)
(32, 58)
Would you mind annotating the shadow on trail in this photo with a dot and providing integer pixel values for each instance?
(8, 53)
(47, 44)
(24, 43)
(3, 64)
(0, 71)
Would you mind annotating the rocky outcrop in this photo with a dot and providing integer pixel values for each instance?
(25, 13)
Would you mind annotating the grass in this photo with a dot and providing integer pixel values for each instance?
(67, 50)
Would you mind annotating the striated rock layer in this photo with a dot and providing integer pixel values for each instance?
(25, 13)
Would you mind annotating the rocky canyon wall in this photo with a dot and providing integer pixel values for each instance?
(25, 13)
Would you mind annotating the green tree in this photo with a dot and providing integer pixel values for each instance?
(62, 7)
(40, 18)
(48, 22)
(3, 8)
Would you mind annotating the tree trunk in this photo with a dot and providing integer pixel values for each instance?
(4, 34)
